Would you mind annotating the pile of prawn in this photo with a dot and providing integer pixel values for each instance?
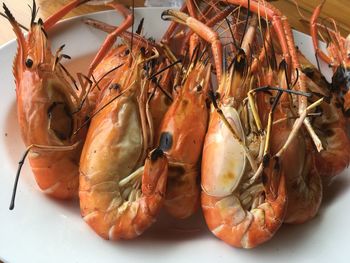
(223, 114)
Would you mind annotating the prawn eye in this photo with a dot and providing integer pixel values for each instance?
(29, 63)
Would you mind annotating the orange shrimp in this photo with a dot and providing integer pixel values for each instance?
(331, 126)
(339, 49)
(240, 212)
(48, 111)
(303, 182)
(184, 127)
(244, 195)
(181, 138)
(121, 189)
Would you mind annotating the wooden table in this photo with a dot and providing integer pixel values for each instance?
(337, 9)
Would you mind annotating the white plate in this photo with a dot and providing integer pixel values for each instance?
(41, 229)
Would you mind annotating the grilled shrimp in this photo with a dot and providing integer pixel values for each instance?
(48, 110)
(331, 126)
(338, 58)
(181, 138)
(240, 212)
(244, 196)
(122, 184)
(303, 182)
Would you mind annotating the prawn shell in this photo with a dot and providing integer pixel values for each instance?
(224, 160)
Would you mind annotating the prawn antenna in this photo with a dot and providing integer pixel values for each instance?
(132, 27)
(140, 27)
(283, 66)
(195, 55)
(297, 77)
(231, 32)
(92, 87)
(34, 11)
(65, 70)
(318, 62)
(164, 69)
(97, 112)
(20, 165)
(21, 162)
(267, 156)
(295, 92)
(166, 93)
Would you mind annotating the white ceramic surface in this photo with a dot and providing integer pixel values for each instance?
(41, 229)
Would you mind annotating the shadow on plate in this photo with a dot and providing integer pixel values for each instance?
(336, 188)
(164, 231)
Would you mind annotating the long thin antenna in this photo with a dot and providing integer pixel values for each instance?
(34, 12)
(132, 27)
(140, 26)
(21, 162)
(295, 92)
(284, 65)
(20, 165)
(100, 109)
(297, 77)
(231, 32)
(167, 94)
(69, 76)
(164, 69)
(95, 85)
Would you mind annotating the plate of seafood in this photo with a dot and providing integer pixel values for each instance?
(211, 133)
